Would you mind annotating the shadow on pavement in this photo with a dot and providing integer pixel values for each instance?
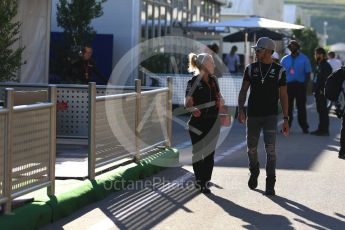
(321, 220)
(340, 215)
(144, 207)
(254, 219)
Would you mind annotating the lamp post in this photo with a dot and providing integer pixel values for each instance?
(325, 36)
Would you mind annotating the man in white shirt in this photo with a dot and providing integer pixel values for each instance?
(334, 62)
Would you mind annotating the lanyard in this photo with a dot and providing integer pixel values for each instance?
(293, 61)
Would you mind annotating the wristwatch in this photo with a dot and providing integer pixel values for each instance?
(286, 118)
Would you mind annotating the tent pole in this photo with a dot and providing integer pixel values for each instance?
(246, 49)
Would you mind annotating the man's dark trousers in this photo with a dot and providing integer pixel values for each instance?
(298, 91)
(321, 107)
(342, 137)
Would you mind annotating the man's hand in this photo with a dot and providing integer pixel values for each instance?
(242, 97)
(241, 116)
(285, 128)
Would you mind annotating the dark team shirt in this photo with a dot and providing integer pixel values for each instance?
(322, 71)
(264, 93)
(204, 96)
(83, 70)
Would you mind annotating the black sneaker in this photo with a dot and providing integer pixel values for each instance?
(319, 133)
(206, 190)
(270, 192)
(270, 182)
(253, 179)
(305, 131)
(341, 156)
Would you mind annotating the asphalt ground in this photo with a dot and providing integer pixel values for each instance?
(310, 188)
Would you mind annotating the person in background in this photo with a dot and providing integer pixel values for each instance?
(232, 60)
(218, 70)
(337, 79)
(275, 57)
(334, 62)
(267, 82)
(203, 100)
(298, 69)
(85, 67)
(322, 71)
(341, 59)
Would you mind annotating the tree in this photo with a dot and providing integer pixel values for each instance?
(11, 57)
(75, 17)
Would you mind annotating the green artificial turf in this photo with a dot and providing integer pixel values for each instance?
(72, 195)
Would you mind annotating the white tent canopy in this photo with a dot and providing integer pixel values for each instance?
(205, 25)
(338, 47)
(257, 22)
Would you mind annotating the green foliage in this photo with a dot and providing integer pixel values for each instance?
(9, 34)
(158, 63)
(335, 27)
(166, 63)
(308, 40)
(332, 11)
(75, 17)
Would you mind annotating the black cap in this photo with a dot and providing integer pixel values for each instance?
(294, 42)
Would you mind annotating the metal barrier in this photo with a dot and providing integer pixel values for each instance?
(72, 104)
(152, 126)
(3, 126)
(127, 125)
(230, 86)
(122, 123)
(141, 121)
(30, 147)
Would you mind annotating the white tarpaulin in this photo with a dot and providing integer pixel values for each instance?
(35, 37)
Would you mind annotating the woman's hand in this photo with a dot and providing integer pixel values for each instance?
(189, 103)
(221, 102)
(196, 112)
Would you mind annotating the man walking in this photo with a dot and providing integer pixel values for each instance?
(341, 153)
(298, 70)
(267, 82)
(322, 71)
(333, 88)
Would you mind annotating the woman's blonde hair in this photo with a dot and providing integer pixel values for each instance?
(195, 62)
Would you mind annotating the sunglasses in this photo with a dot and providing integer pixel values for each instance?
(259, 49)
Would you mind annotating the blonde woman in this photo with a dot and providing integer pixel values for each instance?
(203, 100)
